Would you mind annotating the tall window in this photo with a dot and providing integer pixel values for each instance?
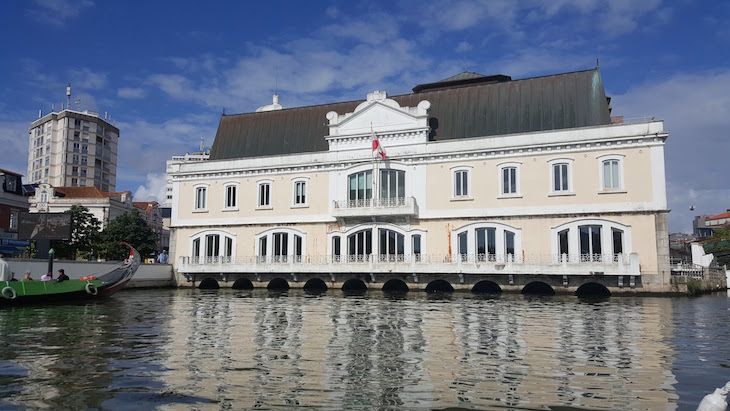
(463, 246)
(393, 186)
(590, 242)
(336, 249)
(509, 180)
(618, 242)
(611, 172)
(264, 195)
(360, 245)
(281, 247)
(231, 200)
(212, 245)
(391, 245)
(262, 248)
(416, 248)
(361, 188)
(509, 243)
(13, 220)
(560, 177)
(196, 249)
(461, 183)
(201, 200)
(297, 248)
(300, 193)
(563, 247)
(486, 244)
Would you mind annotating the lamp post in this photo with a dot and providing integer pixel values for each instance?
(50, 260)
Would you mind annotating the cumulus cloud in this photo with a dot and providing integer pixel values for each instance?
(87, 79)
(58, 12)
(153, 189)
(463, 46)
(14, 141)
(695, 110)
(130, 92)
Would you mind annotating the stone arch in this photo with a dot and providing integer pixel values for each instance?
(209, 284)
(486, 287)
(278, 284)
(243, 284)
(315, 284)
(593, 290)
(538, 288)
(354, 284)
(442, 286)
(395, 285)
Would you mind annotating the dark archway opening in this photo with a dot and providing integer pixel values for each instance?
(439, 286)
(395, 285)
(538, 288)
(278, 284)
(486, 287)
(209, 284)
(354, 285)
(242, 284)
(592, 290)
(315, 285)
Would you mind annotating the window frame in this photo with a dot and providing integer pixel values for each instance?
(259, 205)
(196, 198)
(199, 242)
(234, 187)
(500, 177)
(500, 242)
(619, 159)
(453, 173)
(296, 181)
(560, 161)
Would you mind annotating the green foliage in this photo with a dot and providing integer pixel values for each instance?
(719, 245)
(84, 236)
(694, 287)
(131, 228)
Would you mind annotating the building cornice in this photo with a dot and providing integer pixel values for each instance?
(502, 147)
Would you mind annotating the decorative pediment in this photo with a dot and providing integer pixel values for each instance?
(383, 116)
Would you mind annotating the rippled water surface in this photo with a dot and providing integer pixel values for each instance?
(212, 350)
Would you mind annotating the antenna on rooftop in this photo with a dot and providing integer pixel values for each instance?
(596, 62)
(202, 143)
(78, 104)
(68, 95)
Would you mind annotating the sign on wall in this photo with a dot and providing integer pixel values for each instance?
(44, 226)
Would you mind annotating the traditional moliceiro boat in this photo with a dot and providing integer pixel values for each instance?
(95, 286)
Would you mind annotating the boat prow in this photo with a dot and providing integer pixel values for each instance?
(96, 286)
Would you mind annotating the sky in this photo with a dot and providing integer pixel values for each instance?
(166, 71)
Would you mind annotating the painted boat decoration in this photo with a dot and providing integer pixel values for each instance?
(96, 286)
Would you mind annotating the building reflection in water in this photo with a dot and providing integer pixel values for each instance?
(250, 350)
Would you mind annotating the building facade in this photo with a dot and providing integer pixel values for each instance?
(12, 203)
(153, 216)
(476, 180)
(102, 205)
(201, 155)
(73, 149)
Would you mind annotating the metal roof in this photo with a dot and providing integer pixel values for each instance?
(480, 109)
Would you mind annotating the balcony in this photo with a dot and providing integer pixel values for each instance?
(535, 264)
(400, 206)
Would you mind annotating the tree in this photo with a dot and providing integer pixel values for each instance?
(131, 228)
(719, 245)
(85, 234)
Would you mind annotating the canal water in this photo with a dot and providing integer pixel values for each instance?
(226, 349)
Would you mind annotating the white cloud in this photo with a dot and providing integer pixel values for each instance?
(131, 92)
(695, 110)
(153, 189)
(14, 143)
(57, 12)
(463, 46)
(87, 79)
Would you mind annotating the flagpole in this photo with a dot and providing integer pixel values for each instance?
(372, 158)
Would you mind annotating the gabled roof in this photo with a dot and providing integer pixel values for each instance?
(719, 216)
(4, 171)
(81, 192)
(482, 109)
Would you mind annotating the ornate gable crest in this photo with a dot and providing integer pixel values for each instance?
(393, 124)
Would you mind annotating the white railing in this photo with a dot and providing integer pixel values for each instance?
(527, 263)
(371, 202)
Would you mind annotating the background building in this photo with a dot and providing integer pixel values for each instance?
(153, 215)
(73, 149)
(102, 205)
(12, 203)
(197, 156)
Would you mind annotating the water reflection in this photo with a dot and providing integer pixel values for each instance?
(226, 349)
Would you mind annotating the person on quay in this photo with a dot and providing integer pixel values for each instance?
(62, 275)
(47, 277)
(27, 277)
(5, 273)
(162, 258)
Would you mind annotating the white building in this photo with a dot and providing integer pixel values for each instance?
(102, 205)
(201, 155)
(73, 149)
(485, 182)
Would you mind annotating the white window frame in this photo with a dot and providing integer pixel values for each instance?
(554, 162)
(268, 206)
(500, 229)
(196, 199)
(221, 249)
(619, 158)
(469, 174)
(606, 238)
(269, 234)
(501, 167)
(344, 234)
(295, 181)
(226, 206)
(13, 220)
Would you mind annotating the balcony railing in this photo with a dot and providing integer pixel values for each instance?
(548, 264)
(375, 207)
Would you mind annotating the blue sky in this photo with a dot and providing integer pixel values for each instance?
(165, 71)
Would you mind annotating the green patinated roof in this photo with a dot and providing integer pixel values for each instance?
(464, 106)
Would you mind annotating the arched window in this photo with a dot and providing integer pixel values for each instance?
(212, 246)
(389, 242)
(487, 242)
(280, 245)
(230, 200)
(360, 188)
(611, 172)
(590, 240)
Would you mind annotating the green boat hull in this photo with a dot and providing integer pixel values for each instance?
(23, 292)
